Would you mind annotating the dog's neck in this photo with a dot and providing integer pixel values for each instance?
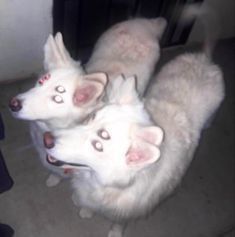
(55, 124)
(139, 115)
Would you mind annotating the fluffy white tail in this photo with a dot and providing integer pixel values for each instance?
(209, 22)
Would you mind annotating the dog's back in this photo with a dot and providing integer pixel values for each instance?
(129, 48)
(185, 94)
(192, 84)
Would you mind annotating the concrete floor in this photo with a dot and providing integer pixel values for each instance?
(203, 206)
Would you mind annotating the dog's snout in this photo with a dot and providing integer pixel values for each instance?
(48, 140)
(15, 104)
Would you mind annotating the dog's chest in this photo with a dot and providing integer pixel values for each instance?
(97, 196)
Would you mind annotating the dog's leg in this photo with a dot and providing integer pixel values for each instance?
(74, 199)
(84, 213)
(116, 230)
(53, 180)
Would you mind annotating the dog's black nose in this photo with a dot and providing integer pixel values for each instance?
(15, 104)
(48, 140)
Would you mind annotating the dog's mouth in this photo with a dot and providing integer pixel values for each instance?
(53, 161)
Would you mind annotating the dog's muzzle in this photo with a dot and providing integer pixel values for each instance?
(53, 161)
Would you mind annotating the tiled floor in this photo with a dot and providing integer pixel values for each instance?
(203, 206)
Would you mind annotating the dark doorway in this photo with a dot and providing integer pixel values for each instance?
(82, 21)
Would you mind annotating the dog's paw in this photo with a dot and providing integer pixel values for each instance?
(116, 231)
(74, 199)
(85, 213)
(52, 180)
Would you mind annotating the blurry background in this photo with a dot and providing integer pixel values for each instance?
(25, 26)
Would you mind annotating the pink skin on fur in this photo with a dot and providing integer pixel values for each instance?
(44, 78)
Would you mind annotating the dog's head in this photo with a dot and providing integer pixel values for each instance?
(117, 141)
(64, 93)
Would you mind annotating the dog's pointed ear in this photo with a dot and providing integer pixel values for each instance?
(99, 77)
(63, 51)
(123, 90)
(56, 55)
(141, 154)
(151, 134)
(91, 89)
(129, 92)
(144, 149)
(159, 25)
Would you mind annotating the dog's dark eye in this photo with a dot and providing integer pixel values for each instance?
(58, 99)
(90, 118)
(60, 89)
(97, 145)
(103, 134)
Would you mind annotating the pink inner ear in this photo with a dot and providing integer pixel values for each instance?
(152, 134)
(84, 95)
(149, 137)
(136, 156)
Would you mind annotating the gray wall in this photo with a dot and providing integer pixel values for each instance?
(225, 11)
(24, 28)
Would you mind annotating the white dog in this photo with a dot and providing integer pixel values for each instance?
(64, 96)
(125, 166)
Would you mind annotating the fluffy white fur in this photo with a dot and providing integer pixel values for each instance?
(130, 173)
(131, 47)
